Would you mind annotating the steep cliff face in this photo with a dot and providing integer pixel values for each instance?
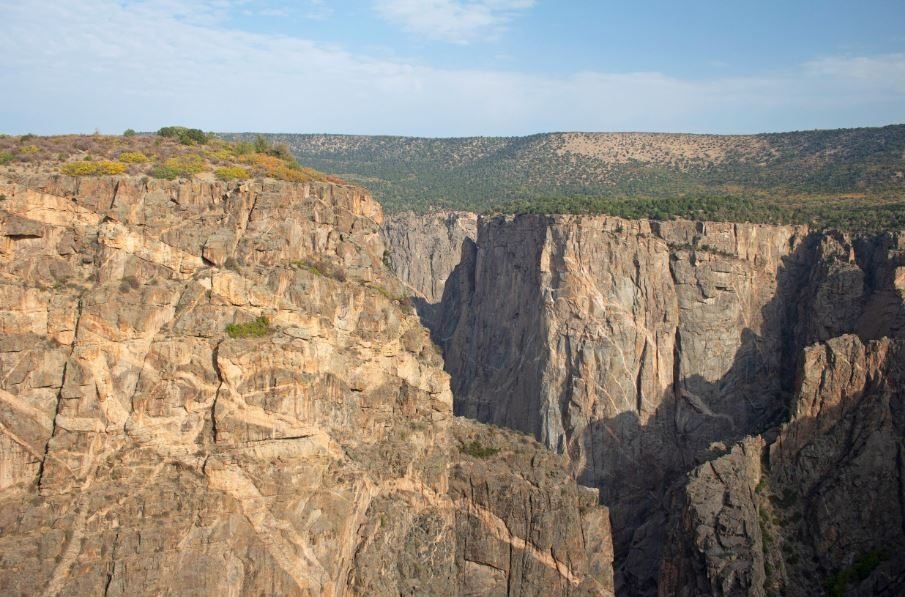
(822, 509)
(716, 545)
(641, 349)
(310, 450)
(423, 250)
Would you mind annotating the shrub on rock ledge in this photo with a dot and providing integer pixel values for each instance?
(252, 329)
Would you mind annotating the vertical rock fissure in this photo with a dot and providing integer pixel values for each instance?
(215, 355)
(900, 469)
(53, 424)
(639, 380)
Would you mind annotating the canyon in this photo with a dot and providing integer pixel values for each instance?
(731, 389)
(266, 387)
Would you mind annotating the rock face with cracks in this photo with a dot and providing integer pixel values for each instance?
(641, 350)
(821, 510)
(144, 450)
(423, 250)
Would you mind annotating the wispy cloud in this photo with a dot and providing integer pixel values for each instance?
(88, 64)
(861, 68)
(452, 20)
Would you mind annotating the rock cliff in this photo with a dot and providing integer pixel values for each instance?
(642, 349)
(212, 388)
(822, 509)
(423, 250)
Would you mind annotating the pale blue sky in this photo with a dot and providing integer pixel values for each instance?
(450, 67)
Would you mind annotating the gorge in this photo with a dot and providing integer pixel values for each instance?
(672, 363)
(250, 380)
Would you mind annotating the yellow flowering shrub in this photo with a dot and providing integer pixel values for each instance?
(133, 157)
(100, 168)
(232, 173)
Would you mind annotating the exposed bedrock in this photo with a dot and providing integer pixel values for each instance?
(821, 510)
(423, 250)
(642, 349)
(158, 437)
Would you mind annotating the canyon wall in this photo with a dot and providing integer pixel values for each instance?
(642, 349)
(423, 250)
(821, 509)
(218, 388)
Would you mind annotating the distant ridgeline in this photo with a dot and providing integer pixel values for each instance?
(848, 178)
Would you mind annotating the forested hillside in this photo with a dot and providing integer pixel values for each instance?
(847, 177)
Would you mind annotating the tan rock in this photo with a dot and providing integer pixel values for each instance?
(144, 449)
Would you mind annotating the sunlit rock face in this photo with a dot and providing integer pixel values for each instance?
(310, 450)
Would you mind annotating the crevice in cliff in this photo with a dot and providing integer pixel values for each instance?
(900, 469)
(639, 380)
(111, 572)
(215, 354)
(53, 427)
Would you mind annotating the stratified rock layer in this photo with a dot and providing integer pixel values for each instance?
(144, 450)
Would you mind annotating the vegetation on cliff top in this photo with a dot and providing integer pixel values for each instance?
(845, 177)
(174, 152)
(818, 211)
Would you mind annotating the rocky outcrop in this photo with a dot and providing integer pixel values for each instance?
(212, 388)
(641, 349)
(826, 511)
(423, 250)
(716, 545)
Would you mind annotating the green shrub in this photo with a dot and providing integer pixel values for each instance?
(6, 157)
(222, 153)
(129, 133)
(232, 173)
(862, 568)
(476, 450)
(184, 135)
(99, 168)
(281, 151)
(29, 150)
(788, 499)
(164, 172)
(26, 137)
(321, 268)
(401, 298)
(133, 157)
(253, 329)
(244, 148)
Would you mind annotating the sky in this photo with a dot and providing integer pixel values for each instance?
(450, 68)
